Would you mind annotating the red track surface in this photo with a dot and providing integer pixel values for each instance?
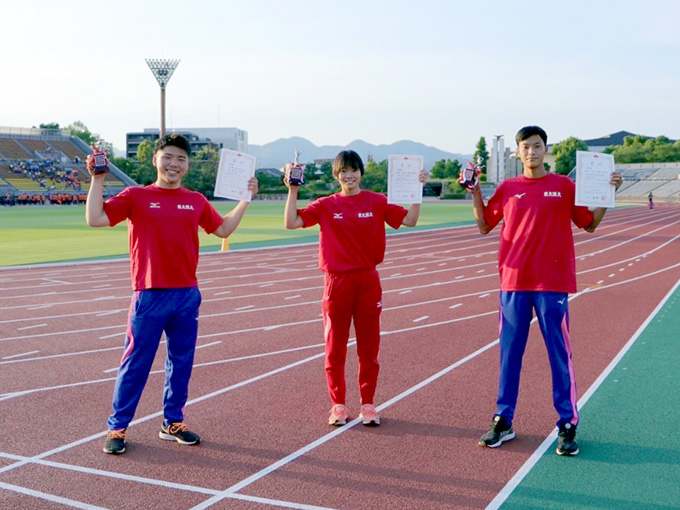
(258, 394)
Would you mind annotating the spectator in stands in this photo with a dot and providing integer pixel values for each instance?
(163, 223)
(537, 268)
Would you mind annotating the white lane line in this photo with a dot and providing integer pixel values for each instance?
(455, 306)
(222, 293)
(405, 291)
(293, 297)
(459, 277)
(160, 483)
(208, 345)
(50, 280)
(484, 295)
(538, 453)
(112, 312)
(49, 497)
(266, 285)
(31, 327)
(20, 355)
(38, 307)
(102, 286)
(244, 308)
(419, 319)
(395, 274)
(324, 439)
(112, 335)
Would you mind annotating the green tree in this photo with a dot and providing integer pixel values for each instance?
(375, 176)
(79, 129)
(144, 173)
(565, 154)
(446, 169)
(481, 155)
(640, 149)
(203, 171)
(49, 125)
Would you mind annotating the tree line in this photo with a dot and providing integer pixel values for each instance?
(319, 180)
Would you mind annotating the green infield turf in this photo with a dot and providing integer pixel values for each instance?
(50, 233)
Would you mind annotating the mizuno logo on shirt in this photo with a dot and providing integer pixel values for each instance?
(337, 216)
(552, 194)
(520, 195)
(365, 215)
(183, 206)
(154, 205)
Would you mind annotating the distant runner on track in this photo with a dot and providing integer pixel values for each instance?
(163, 220)
(537, 269)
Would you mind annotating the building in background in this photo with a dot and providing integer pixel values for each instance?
(222, 138)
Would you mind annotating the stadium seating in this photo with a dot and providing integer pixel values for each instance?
(662, 179)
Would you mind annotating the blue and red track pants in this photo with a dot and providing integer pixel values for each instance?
(152, 312)
(552, 312)
(354, 295)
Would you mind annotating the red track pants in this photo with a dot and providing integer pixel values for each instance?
(352, 295)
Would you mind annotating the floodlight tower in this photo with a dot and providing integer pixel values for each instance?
(162, 69)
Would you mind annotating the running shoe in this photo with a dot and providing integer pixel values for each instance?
(338, 415)
(179, 432)
(115, 442)
(566, 441)
(499, 432)
(369, 416)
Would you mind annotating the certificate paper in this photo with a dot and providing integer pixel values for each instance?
(232, 175)
(593, 171)
(403, 179)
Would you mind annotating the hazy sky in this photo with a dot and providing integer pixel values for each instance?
(442, 73)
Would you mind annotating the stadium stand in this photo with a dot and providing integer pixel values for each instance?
(662, 179)
(48, 166)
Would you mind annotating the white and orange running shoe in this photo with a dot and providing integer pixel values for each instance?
(338, 415)
(369, 416)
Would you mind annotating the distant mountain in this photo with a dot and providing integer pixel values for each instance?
(278, 153)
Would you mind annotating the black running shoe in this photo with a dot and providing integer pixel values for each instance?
(115, 442)
(498, 433)
(566, 441)
(179, 432)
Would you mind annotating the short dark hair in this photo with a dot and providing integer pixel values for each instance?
(528, 132)
(173, 140)
(347, 159)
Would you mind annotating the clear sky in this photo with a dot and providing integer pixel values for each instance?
(439, 72)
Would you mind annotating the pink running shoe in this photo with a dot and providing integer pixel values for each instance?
(338, 415)
(369, 415)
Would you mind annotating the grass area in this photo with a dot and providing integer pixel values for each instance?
(51, 233)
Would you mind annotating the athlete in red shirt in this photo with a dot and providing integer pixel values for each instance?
(163, 221)
(537, 269)
(351, 245)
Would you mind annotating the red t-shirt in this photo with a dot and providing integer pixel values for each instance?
(162, 233)
(536, 251)
(352, 234)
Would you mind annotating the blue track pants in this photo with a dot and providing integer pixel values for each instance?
(552, 313)
(152, 312)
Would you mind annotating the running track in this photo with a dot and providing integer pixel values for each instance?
(258, 394)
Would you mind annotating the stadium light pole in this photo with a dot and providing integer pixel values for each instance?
(162, 69)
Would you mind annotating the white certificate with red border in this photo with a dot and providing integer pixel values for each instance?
(403, 179)
(233, 173)
(593, 171)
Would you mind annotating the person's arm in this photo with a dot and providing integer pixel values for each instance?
(290, 215)
(413, 211)
(599, 212)
(232, 219)
(94, 205)
(478, 210)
